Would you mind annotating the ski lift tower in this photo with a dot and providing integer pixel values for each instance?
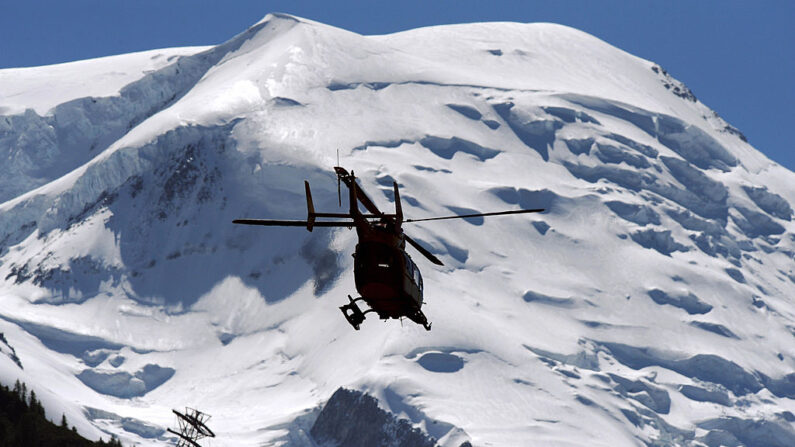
(192, 427)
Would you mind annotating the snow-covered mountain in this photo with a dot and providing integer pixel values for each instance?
(652, 303)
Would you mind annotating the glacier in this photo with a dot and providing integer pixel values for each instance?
(651, 304)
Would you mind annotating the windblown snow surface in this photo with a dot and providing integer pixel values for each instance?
(650, 304)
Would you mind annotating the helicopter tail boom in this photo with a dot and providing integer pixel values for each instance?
(350, 181)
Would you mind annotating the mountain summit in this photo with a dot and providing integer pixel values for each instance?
(652, 303)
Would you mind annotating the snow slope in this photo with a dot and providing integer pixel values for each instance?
(652, 303)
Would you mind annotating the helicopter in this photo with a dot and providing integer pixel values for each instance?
(386, 277)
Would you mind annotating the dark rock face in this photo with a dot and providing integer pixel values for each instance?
(72, 283)
(675, 86)
(353, 419)
(11, 352)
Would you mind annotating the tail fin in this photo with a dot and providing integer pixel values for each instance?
(310, 208)
(398, 207)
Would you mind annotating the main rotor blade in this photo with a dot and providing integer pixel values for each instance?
(290, 223)
(422, 250)
(464, 216)
(365, 200)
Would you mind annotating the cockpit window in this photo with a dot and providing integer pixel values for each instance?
(413, 271)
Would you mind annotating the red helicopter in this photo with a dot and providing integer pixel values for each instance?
(386, 277)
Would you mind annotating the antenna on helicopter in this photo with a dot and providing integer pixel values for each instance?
(339, 192)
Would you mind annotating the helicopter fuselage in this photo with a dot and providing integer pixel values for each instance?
(386, 277)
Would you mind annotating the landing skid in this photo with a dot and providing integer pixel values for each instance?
(352, 313)
(355, 316)
(420, 318)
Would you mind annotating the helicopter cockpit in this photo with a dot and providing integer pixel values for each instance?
(413, 271)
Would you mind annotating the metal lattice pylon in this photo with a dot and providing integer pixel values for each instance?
(192, 427)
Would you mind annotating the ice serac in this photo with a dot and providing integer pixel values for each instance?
(650, 304)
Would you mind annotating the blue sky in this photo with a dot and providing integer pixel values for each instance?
(738, 57)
